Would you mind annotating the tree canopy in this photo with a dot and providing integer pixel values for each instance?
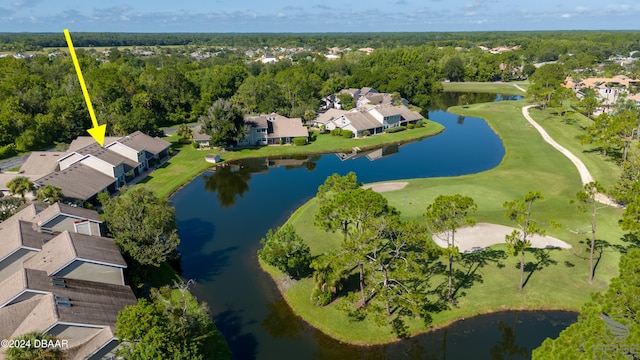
(607, 326)
(142, 225)
(224, 122)
(171, 325)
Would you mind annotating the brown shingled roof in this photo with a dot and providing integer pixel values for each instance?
(17, 234)
(42, 162)
(67, 247)
(284, 127)
(92, 303)
(78, 181)
(60, 208)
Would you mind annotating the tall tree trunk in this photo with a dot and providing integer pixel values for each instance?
(450, 277)
(453, 244)
(386, 291)
(361, 267)
(593, 239)
(522, 270)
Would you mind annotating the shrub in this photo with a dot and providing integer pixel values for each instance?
(299, 141)
(320, 298)
(347, 134)
(336, 132)
(366, 133)
(195, 145)
(7, 151)
(395, 129)
(286, 250)
(421, 123)
(410, 126)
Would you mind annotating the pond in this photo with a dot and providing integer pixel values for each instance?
(223, 214)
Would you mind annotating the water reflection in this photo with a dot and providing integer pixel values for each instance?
(228, 184)
(281, 322)
(506, 347)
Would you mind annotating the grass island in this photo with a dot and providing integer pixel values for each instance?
(557, 278)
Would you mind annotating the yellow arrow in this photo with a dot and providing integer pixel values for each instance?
(98, 130)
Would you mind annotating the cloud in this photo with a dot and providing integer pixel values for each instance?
(565, 16)
(25, 4)
(618, 7)
(582, 10)
(401, 2)
(293, 8)
(322, 7)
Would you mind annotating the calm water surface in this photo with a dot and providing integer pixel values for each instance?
(222, 216)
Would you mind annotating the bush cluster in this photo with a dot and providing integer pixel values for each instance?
(395, 129)
(299, 141)
(7, 151)
(347, 134)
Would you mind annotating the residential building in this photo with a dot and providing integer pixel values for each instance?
(87, 169)
(272, 129)
(59, 276)
(374, 120)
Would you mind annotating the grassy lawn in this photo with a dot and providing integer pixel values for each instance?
(568, 132)
(483, 87)
(189, 162)
(529, 164)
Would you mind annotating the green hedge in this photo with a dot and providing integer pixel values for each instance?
(299, 141)
(7, 151)
(348, 134)
(395, 129)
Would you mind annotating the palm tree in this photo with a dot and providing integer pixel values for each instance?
(20, 185)
(49, 194)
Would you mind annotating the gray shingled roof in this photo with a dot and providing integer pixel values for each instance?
(141, 141)
(84, 141)
(329, 115)
(362, 120)
(200, 136)
(109, 156)
(78, 181)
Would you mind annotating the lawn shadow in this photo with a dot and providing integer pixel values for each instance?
(543, 260)
(464, 279)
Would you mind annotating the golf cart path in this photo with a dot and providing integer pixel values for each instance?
(585, 175)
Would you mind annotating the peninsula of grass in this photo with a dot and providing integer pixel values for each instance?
(556, 279)
(189, 162)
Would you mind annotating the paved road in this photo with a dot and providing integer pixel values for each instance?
(585, 175)
(10, 163)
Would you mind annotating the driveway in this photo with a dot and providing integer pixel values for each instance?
(7, 164)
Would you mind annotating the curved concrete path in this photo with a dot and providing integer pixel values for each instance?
(585, 175)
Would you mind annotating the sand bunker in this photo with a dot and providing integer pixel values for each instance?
(482, 235)
(388, 186)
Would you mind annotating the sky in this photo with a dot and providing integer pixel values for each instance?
(316, 15)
